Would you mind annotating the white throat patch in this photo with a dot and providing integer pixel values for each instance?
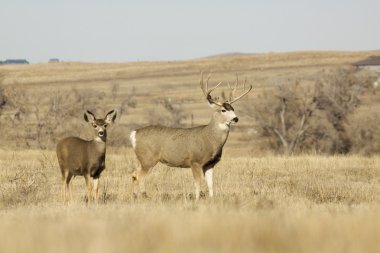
(224, 126)
(98, 139)
(228, 117)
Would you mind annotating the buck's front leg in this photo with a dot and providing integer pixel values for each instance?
(197, 174)
(208, 178)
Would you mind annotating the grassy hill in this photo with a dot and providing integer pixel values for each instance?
(175, 80)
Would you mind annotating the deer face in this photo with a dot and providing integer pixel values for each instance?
(100, 125)
(224, 114)
(228, 114)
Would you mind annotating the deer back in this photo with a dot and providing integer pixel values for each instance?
(179, 147)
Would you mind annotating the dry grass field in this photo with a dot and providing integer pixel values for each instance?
(262, 203)
(268, 204)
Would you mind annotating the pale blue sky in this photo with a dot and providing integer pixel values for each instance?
(121, 30)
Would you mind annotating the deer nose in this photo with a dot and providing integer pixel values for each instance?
(236, 119)
(101, 133)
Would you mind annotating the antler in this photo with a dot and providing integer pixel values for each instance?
(207, 91)
(233, 90)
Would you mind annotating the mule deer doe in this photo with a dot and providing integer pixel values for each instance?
(198, 148)
(78, 157)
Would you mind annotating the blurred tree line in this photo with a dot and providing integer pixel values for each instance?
(323, 115)
(33, 121)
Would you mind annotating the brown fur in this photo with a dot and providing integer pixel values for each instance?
(78, 157)
(199, 148)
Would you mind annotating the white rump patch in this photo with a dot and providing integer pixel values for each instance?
(132, 138)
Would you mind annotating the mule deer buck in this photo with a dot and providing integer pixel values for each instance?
(78, 157)
(198, 148)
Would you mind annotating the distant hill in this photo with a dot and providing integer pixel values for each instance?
(228, 64)
(232, 54)
(176, 80)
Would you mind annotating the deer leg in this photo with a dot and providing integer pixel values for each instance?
(208, 177)
(197, 174)
(135, 184)
(89, 184)
(141, 182)
(70, 186)
(96, 189)
(63, 189)
(138, 178)
(66, 177)
(68, 190)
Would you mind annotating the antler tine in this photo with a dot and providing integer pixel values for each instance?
(242, 95)
(208, 78)
(233, 90)
(204, 89)
(201, 84)
(207, 91)
(236, 84)
(209, 96)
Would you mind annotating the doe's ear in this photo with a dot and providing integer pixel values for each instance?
(89, 116)
(110, 117)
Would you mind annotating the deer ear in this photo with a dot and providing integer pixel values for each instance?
(213, 105)
(89, 117)
(110, 117)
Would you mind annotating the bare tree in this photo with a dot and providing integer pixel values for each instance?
(365, 138)
(309, 115)
(44, 120)
(173, 113)
(124, 101)
(282, 114)
(338, 96)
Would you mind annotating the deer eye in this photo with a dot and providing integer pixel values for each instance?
(105, 125)
(223, 110)
(94, 125)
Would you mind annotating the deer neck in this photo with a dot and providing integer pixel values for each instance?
(218, 132)
(100, 142)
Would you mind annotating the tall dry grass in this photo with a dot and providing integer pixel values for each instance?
(266, 204)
